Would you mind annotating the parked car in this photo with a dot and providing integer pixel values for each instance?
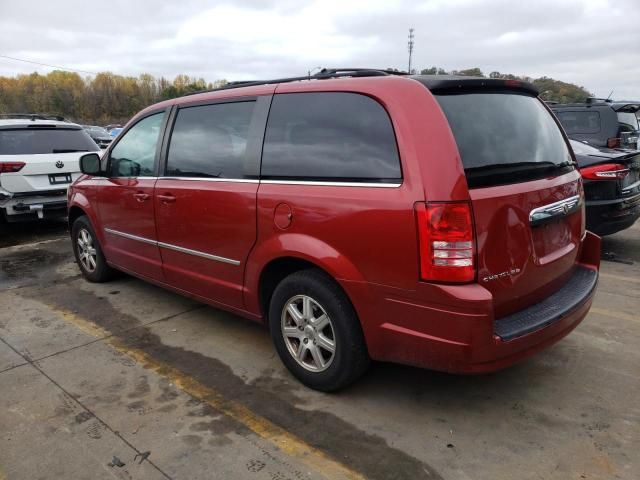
(611, 186)
(99, 135)
(38, 160)
(601, 123)
(432, 221)
(114, 132)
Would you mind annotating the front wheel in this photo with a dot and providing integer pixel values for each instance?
(88, 252)
(316, 331)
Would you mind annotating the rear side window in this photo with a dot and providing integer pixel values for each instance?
(210, 141)
(329, 137)
(34, 141)
(505, 137)
(580, 122)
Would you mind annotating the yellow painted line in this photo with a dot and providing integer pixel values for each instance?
(615, 314)
(620, 277)
(3, 476)
(288, 443)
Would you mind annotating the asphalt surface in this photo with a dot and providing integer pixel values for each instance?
(126, 380)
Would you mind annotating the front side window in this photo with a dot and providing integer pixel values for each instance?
(135, 153)
(210, 141)
(329, 136)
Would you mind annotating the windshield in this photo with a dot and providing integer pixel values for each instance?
(510, 135)
(34, 141)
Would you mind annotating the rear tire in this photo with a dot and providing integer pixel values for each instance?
(316, 331)
(88, 252)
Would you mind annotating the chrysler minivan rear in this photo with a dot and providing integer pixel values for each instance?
(511, 268)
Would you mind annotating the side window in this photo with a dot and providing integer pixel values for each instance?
(331, 137)
(210, 141)
(580, 122)
(134, 155)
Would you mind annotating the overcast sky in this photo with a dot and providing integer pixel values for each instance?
(594, 43)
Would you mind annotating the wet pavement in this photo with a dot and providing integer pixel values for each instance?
(175, 389)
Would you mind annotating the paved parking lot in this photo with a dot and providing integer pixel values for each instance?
(175, 389)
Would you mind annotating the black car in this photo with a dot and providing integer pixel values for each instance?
(99, 135)
(601, 123)
(611, 186)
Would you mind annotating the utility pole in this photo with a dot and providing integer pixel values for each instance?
(410, 45)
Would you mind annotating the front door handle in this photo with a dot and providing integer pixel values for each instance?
(141, 197)
(167, 198)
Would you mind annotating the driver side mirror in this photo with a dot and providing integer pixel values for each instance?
(90, 164)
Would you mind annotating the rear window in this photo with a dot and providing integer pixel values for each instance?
(329, 137)
(580, 122)
(628, 121)
(33, 141)
(505, 137)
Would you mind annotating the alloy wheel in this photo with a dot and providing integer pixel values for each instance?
(308, 333)
(86, 250)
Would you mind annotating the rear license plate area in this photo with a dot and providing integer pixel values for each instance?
(59, 178)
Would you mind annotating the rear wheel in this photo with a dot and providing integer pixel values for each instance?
(316, 331)
(88, 253)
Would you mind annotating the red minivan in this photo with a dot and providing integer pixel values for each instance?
(428, 220)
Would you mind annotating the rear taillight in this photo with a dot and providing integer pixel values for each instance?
(10, 167)
(608, 171)
(447, 244)
(613, 142)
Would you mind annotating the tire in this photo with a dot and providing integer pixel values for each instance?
(327, 319)
(93, 265)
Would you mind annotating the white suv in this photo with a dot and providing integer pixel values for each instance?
(39, 158)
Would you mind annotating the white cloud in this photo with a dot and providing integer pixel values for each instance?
(593, 43)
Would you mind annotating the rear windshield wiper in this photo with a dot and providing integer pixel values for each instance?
(516, 166)
(66, 150)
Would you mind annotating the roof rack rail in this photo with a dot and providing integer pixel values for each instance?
(598, 100)
(323, 74)
(32, 116)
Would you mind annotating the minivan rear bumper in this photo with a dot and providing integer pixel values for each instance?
(460, 334)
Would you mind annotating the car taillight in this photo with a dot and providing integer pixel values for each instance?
(10, 167)
(447, 244)
(613, 142)
(608, 171)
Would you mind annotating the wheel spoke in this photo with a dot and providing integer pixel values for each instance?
(321, 322)
(91, 251)
(295, 313)
(92, 262)
(301, 351)
(307, 308)
(326, 343)
(292, 332)
(318, 359)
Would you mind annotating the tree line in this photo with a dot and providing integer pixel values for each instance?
(105, 98)
(110, 98)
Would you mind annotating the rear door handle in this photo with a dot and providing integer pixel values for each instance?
(141, 197)
(167, 198)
